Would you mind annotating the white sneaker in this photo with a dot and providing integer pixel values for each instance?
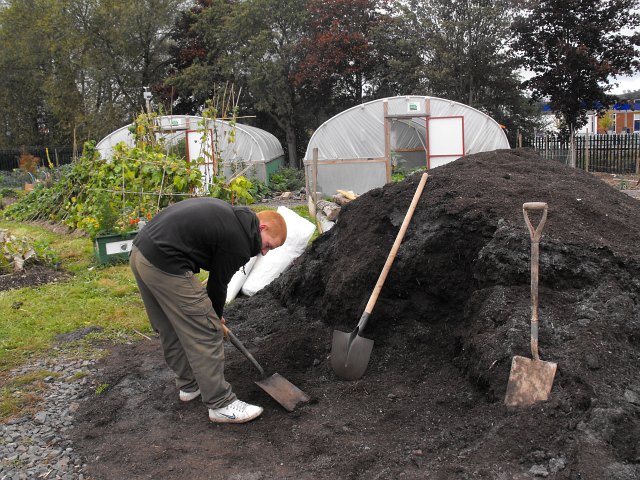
(188, 396)
(236, 412)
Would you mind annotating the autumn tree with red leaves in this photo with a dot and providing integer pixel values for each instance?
(338, 56)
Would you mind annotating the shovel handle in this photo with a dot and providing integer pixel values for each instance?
(535, 234)
(238, 344)
(392, 254)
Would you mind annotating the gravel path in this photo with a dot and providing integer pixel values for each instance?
(37, 446)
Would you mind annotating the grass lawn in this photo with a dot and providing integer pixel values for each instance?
(105, 297)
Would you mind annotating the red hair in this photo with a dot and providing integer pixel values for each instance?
(274, 223)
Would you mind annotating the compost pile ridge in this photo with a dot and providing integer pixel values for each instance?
(453, 312)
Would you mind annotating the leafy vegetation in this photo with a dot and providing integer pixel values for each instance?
(17, 252)
(236, 191)
(8, 192)
(574, 48)
(399, 174)
(110, 197)
(287, 180)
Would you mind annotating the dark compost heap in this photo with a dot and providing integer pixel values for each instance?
(454, 311)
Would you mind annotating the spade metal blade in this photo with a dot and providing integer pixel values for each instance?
(283, 391)
(530, 381)
(350, 354)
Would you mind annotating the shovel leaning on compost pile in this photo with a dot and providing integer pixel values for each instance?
(350, 352)
(530, 380)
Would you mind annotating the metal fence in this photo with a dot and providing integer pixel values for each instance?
(595, 153)
(9, 157)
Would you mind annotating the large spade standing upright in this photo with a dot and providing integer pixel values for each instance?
(530, 380)
(350, 352)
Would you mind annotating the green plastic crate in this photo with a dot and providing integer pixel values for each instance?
(114, 248)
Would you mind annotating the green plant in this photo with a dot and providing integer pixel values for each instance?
(260, 190)
(8, 192)
(105, 216)
(16, 252)
(102, 388)
(399, 174)
(287, 179)
(15, 178)
(237, 191)
(100, 196)
(79, 375)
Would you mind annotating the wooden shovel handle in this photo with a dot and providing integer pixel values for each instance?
(392, 254)
(238, 344)
(535, 234)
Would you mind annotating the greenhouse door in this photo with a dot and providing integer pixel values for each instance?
(445, 140)
(197, 148)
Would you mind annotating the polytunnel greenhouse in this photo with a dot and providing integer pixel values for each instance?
(247, 151)
(358, 149)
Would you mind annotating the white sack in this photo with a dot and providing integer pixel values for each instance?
(267, 268)
(238, 279)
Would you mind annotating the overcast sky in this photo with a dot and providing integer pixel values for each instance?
(627, 83)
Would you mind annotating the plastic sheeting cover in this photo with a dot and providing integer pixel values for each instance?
(251, 144)
(351, 145)
(359, 131)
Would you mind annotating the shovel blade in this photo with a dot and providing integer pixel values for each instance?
(283, 391)
(530, 381)
(350, 354)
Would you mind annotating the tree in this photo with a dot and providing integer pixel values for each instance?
(337, 52)
(127, 48)
(354, 51)
(198, 44)
(76, 68)
(464, 45)
(573, 47)
(258, 54)
(465, 49)
(398, 66)
(33, 103)
(249, 44)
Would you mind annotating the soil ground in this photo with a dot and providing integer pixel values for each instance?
(31, 276)
(454, 311)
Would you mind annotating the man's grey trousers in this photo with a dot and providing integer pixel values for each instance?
(180, 310)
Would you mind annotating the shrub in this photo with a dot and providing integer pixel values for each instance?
(16, 252)
(110, 197)
(287, 180)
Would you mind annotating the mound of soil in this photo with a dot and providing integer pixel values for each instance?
(32, 276)
(454, 310)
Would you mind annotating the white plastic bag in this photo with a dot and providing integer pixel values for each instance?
(238, 279)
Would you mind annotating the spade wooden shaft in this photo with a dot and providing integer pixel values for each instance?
(392, 255)
(535, 234)
(238, 344)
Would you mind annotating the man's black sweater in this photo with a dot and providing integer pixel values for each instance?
(202, 233)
